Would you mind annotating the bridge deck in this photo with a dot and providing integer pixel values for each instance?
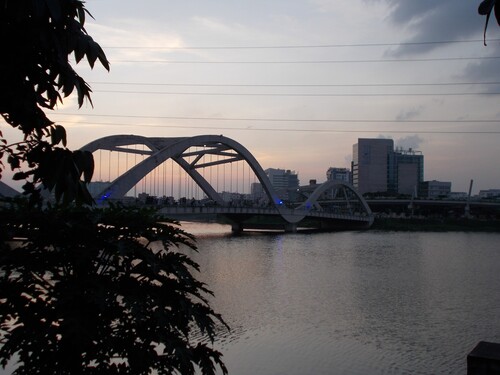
(269, 217)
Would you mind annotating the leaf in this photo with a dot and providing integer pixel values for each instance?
(485, 9)
(58, 134)
(79, 50)
(84, 162)
(88, 171)
(81, 15)
(14, 162)
(102, 56)
(20, 176)
(91, 54)
(83, 90)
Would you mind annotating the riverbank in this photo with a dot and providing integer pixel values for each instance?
(435, 225)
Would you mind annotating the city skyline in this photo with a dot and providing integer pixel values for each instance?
(298, 82)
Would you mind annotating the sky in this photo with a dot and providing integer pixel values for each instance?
(297, 82)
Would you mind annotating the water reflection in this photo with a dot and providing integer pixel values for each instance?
(352, 302)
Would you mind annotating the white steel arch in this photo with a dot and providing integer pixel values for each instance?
(162, 149)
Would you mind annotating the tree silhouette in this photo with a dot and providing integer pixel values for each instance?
(86, 291)
(83, 290)
(37, 39)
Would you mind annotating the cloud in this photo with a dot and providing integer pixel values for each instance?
(484, 71)
(430, 20)
(409, 114)
(411, 141)
(127, 33)
(213, 25)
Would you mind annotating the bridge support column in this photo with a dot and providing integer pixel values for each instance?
(291, 228)
(236, 228)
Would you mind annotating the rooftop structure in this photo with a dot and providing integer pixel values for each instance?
(340, 174)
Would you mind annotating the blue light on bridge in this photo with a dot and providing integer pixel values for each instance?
(105, 196)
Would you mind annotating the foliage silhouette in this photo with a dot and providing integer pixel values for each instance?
(83, 290)
(37, 38)
(93, 291)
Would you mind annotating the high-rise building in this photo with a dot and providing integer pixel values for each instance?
(409, 171)
(371, 169)
(378, 168)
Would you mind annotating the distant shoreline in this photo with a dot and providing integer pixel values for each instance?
(435, 225)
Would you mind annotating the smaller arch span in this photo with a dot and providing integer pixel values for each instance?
(312, 200)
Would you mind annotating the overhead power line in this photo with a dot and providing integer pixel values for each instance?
(434, 59)
(294, 94)
(218, 128)
(333, 45)
(261, 119)
(293, 84)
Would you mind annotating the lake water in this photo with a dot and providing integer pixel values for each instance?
(351, 302)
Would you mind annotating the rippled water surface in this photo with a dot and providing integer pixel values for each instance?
(351, 302)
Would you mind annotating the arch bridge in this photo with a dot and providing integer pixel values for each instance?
(332, 205)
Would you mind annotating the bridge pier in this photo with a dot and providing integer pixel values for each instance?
(236, 228)
(291, 227)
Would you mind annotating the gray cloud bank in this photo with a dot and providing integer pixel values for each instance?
(444, 20)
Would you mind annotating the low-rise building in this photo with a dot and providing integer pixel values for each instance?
(490, 193)
(283, 181)
(434, 189)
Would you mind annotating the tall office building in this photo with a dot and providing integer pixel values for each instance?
(371, 165)
(409, 171)
(378, 168)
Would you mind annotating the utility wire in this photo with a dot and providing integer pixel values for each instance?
(257, 119)
(292, 94)
(309, 61)
(302, 46)
(287, 130)
(292, 84)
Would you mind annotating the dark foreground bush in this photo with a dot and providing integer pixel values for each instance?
(101, 291)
